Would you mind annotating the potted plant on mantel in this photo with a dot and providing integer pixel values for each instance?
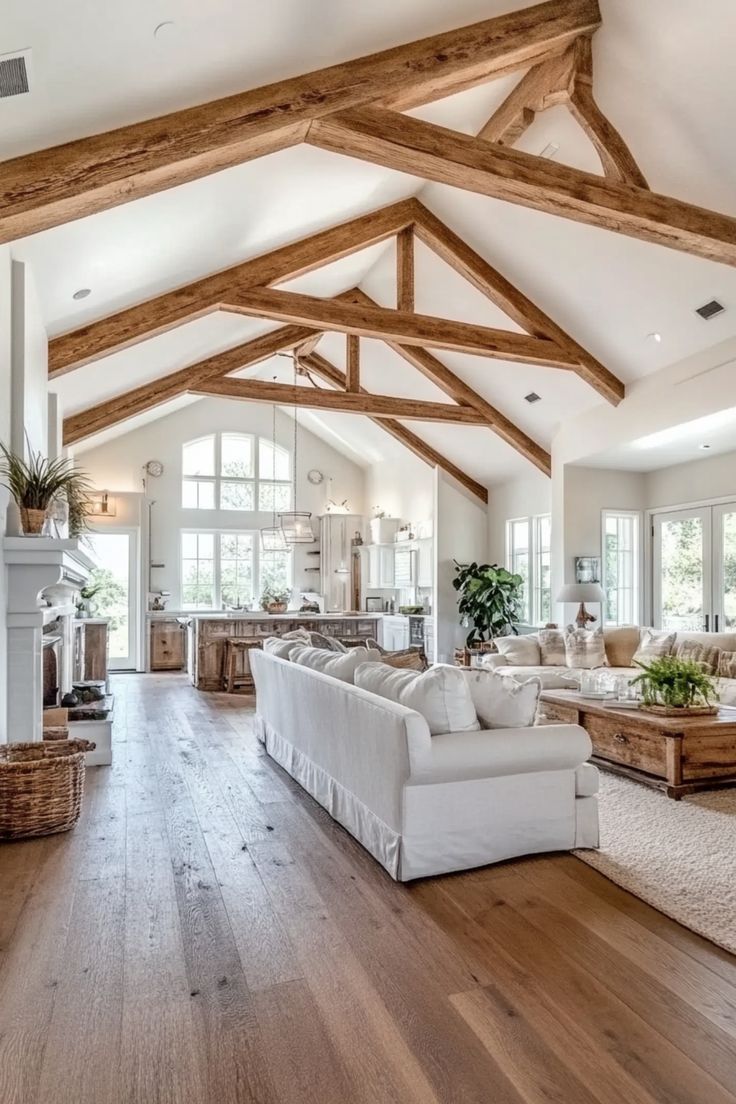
(490, 598)
(275, 601)
(676, 687)
(37, 483)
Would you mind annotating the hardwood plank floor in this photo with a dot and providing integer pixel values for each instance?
(208, 935)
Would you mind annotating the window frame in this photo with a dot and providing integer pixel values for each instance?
(217, 534)
(257, 482)
(533, 595)
(634, 603)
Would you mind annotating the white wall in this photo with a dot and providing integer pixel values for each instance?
(402, 489)
(118, 466)
(5, 359)
(461, 533)
(526, 496)
(29, 352)
(695, 481)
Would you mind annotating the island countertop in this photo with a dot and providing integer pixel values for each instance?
(258, 615)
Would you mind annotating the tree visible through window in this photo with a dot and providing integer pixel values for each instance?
(528, 552)
(235, 471)
(621, 567)
(229, 569)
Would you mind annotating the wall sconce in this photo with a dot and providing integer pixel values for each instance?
(102, 504)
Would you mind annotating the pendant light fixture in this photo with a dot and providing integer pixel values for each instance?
(296, 524)
(272, 537)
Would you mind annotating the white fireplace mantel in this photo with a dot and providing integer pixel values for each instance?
(45, 576)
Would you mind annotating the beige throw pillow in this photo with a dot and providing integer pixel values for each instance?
(726, 665)
(653, 645)
(707, 656)
(585, 648)
(276, 645)
(341, 666)
(621, 643)
(520, 651)
(502, 702)
(440, 694)
(552, 647)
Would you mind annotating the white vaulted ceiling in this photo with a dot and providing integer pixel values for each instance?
(664, 75)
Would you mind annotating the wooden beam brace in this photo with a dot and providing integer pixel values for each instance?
(489, 281)
(352, 363)
(542, 87)
(412, 329)
(120, 408)
(376, 406)
(322, 368)
(405, 269)
(424, 149)
(53, 186)
(119, 331)
(434, 370)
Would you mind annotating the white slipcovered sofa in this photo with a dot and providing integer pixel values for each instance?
(425, 804)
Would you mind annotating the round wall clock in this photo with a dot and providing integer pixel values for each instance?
(315, 476)
(155, 468)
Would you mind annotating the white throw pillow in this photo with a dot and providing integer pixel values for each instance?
(520, 651)
(440, 694)
(340, 665)
(275, 645)
(653, 645)
(502, 702)
(585, 649)
(552, 648)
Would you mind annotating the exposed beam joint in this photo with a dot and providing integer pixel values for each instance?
(543, 86)
(352, 363)
(405, 269)
(424, 149)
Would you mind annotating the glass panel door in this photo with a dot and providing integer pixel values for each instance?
(724, 567)
(114, 554)
(681, 588)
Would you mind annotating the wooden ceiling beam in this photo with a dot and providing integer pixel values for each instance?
(424, 149)
(368, 320)
(119, 331)
(80, 178)
(344, 402)
(489, 281)
(457, 389)
(405, 269)
(352, 363)
(120, 408)
(322, 368)
(543, 86)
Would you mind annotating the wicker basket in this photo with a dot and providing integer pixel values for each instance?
(41, 787)
(681, 710)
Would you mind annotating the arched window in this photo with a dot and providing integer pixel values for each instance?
(234, 471)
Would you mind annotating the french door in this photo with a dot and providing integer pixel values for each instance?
(115, 573)
(694, 568)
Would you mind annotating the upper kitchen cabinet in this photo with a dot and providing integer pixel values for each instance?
(336, 533)
(425, 562)
(379, 566)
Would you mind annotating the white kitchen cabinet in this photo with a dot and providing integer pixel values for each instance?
(425, 563)
(395, 633)
(379, 566)
(336, 559)
(429, 638)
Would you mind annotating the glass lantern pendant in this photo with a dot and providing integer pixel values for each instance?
(296, 524)
(272, 537)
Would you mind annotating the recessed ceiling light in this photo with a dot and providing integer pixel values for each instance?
(163, 30)
(82, 293)
(655, 337)
(703, 446)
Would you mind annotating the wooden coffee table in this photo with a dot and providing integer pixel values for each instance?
(679, 755)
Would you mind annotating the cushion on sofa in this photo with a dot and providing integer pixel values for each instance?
(724, 640)
(341, 666)
(707, 656)
(278, 646)
(585, 648)
(552, 647)
(551, 678)
(520, 651)
(621, 642)
(315, 640)
(502, 702)
(653, 644)
(726, 668)
(440, 694)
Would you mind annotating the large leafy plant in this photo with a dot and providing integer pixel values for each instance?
(490, 598)
(676, 683)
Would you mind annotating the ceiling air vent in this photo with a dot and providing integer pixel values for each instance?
(532, 397)
(14, 74)
(710, 310)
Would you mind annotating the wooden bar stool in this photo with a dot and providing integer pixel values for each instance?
(237, 673)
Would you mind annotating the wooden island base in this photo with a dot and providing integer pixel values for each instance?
(679, 755)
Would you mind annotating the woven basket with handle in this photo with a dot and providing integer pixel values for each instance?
(41, 786)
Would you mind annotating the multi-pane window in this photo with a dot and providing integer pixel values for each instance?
(235, 471)
(229, 569)
(528, 554)
(620, 540)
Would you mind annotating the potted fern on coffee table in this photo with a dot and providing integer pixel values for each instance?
(675, 687)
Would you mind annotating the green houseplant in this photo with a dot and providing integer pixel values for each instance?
(672, 685)
(490, 598)
(274, 600)
(34, 485)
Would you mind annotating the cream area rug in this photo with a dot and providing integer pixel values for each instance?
(679, 856)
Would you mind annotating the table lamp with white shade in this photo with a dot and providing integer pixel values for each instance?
(582, 593)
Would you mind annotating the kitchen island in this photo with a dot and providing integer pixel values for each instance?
(208, 633)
